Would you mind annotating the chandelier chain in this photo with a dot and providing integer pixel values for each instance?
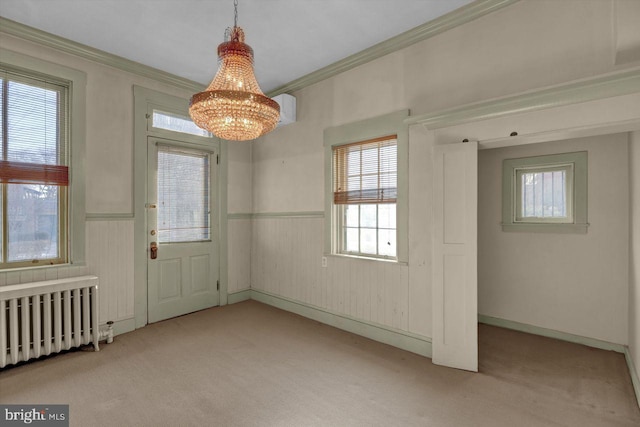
(235, 13)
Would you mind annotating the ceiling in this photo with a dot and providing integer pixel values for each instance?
(290, 38)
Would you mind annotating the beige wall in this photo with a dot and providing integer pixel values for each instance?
(239, 226)
(239, 179)
(575, 283)
(528, 45)
(634, 240)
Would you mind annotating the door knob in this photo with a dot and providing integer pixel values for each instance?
(153, 247)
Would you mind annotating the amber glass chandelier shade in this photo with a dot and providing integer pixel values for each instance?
(233, 107)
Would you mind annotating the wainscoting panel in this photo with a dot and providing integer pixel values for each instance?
(110, 257)
(239, 254)
(286, 261)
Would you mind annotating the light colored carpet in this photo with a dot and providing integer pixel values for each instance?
(249, 364)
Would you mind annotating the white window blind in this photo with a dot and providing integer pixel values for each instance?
(33, 143)
(366, 172)
(183, 195)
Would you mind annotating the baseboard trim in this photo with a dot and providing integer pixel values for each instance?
(550, 333)
(396, 338)
(633, 373)
(239, 296)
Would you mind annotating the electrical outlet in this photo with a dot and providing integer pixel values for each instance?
(324, 261)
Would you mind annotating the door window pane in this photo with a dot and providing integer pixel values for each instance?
(183, 196)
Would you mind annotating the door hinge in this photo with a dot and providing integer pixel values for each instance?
(217, 159)
(218, 285)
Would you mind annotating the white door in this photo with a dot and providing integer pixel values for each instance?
(182, 238)
(455, 290)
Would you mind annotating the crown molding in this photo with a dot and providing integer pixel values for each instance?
(422, 32)
(43, 38)
(591, 89)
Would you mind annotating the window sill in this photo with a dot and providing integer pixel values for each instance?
(547, 228)
(41, 267)
(365, 258)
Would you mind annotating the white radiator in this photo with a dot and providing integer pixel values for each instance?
(40, 318)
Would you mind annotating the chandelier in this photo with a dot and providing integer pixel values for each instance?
(233, 107)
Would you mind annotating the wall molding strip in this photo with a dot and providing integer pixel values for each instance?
(550, 333)
(239, 296)
(633, 372)
(422, 32)
(307, 214)
(109, 216)
(31, 34)
(281, 215)
(591, 89)
(559, 134)
(396, 338)
(240, 215)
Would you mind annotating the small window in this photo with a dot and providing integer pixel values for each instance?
(34, 175)
(365, 181)
(545, 193)
(176, 123)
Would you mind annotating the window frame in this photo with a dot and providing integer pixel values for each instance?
(74, 197)
(342, 156)
(575, 166)
(62, 88)
(365, 130)
(175, 114)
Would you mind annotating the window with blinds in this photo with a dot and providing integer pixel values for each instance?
(183, 195)
(365, 181)
(34, 173)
